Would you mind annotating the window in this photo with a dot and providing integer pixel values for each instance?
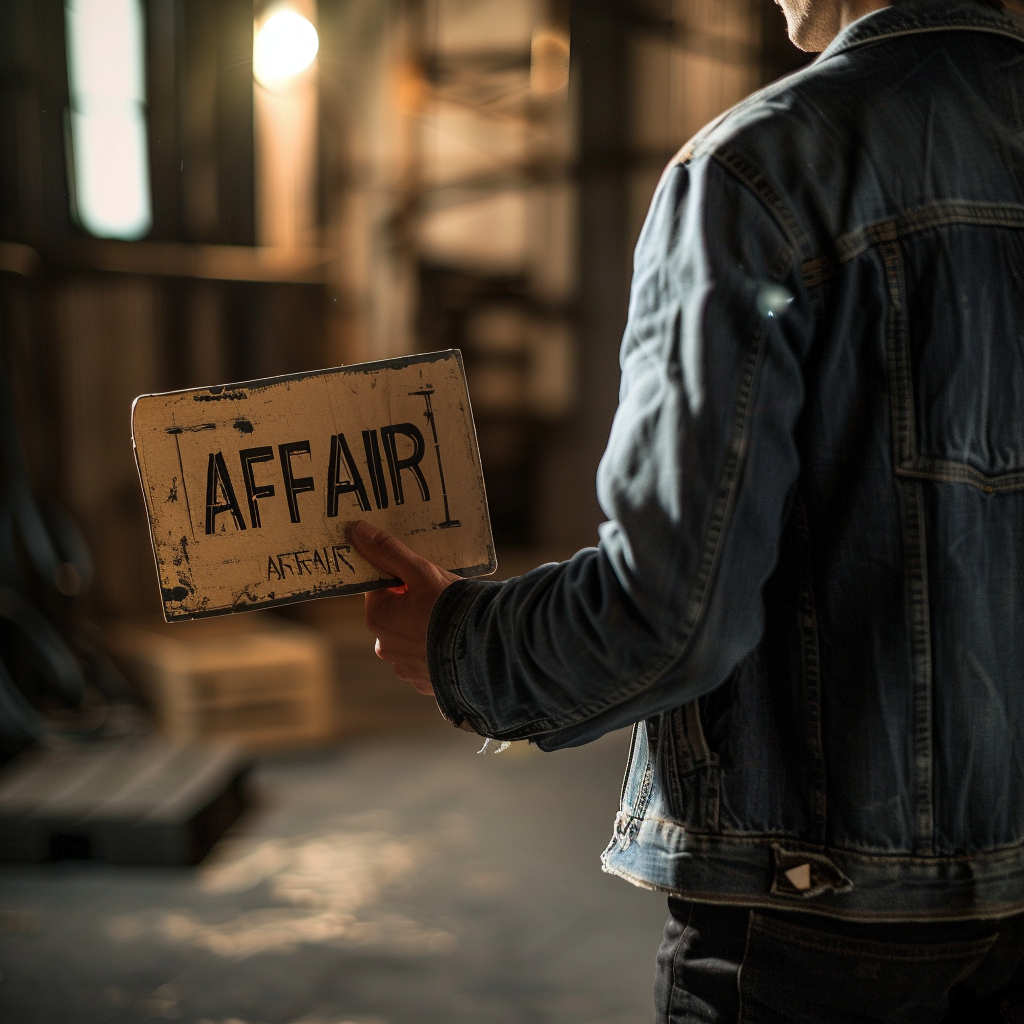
(107, 81)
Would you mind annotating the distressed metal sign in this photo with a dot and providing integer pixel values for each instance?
(250, 487)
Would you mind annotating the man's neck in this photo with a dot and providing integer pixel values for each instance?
(813, 24)
(852, 10)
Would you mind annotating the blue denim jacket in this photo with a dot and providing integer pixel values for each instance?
(810, 588)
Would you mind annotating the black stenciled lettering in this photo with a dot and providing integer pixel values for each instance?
(272, 568)
(338, 483)
(303, 563)
(376, 467)
(411, 463)
(294, 485)
(286, 567)
(321, 562)
(217, 479)
(248, 457)
(338, 550)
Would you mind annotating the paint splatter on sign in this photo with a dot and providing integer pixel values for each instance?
(250, 487)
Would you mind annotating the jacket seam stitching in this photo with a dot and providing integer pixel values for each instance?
(737, 450)
(951, 471)
(860, 240)
(811, 664)
(759, 902)
(767, 840)
(770, 197)
(915, 544)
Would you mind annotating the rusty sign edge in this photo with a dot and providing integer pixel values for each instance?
(397, 363)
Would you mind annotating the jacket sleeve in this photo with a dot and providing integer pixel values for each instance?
(695, 482)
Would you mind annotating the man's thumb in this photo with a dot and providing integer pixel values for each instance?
(385, 551)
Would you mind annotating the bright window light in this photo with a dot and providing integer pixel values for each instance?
(284, 46)
(106, 76)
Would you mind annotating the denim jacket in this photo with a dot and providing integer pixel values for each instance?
(810, 588)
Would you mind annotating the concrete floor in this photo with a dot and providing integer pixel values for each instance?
(384, 881)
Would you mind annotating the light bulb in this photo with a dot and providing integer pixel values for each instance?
(284, 46)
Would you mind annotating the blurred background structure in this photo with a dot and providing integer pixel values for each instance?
(441, 174)
(196, 192)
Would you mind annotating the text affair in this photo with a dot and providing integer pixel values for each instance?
(344, 476)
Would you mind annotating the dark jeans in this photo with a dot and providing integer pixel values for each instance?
(720, 965)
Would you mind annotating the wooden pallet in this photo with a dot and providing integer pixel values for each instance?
(258, 680)
(140, 801)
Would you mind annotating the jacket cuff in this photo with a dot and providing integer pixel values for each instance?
(445, 643)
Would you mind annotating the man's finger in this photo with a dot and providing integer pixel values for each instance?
(385, 551)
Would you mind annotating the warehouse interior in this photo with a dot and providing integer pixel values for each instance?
(200, 192)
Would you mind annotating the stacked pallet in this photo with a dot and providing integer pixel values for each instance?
(258, 680)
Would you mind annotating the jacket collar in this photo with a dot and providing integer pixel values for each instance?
(910, 17)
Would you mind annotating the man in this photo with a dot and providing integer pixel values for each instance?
(810, 590)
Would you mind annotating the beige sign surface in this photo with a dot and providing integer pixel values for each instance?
(250, 487)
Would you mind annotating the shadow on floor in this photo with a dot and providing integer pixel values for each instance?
(380, 882)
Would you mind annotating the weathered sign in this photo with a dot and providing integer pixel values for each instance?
(250, 487)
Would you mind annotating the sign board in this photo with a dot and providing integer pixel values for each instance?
(250, 487)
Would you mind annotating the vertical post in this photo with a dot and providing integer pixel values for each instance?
(599, 84)
(235, 175)
(165, 154)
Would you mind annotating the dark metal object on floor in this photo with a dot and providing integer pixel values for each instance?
(138, 801)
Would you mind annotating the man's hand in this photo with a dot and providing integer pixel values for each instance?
(399, 616)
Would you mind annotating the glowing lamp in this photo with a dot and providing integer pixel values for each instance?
(284, 46)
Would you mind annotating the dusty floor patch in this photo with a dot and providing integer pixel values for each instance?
(380, 883)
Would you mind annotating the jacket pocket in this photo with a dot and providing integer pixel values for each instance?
(954, 358)
(687, 769)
